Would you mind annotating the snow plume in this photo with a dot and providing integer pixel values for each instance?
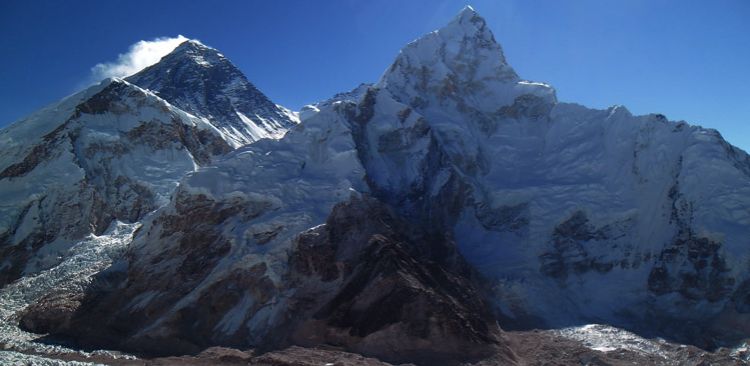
(139, 56)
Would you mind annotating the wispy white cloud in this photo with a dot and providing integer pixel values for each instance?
(139, 56)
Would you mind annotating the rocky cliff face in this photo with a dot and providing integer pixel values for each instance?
(364, 280)
(404, 219)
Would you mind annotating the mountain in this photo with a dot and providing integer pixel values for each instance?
(116, 151)
(576, 215)
(111, 153)
(201, 81)
(433, 217)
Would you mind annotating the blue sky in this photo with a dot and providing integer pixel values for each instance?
(689, 60)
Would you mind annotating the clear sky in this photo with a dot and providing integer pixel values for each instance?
(689, 60)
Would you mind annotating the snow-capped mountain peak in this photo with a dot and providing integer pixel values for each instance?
(198, 52)
(200, 80)
(192, 44)
(459, 63)
(468, 23)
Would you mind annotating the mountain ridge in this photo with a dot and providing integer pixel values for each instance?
(97, 114)
(443, 205)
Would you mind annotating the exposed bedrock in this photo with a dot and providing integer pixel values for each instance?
(365, 281)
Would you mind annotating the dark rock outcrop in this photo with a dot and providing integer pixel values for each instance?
(398, 301)
(570, 240)
(364, 281)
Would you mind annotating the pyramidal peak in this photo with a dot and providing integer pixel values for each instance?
(467, 23)
(194, 47)
(192, 44)
(201, 81)
(468, 9)
(460, 62)
(195, 52)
